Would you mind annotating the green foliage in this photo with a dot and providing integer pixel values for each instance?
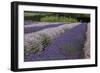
(58, 19)
(35, 49)
(54, 17)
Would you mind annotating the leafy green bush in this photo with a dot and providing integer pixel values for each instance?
(57, 19)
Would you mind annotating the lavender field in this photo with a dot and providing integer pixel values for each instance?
(60, 41)
(56, 36)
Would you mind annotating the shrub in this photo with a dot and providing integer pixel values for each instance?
(57, 19)
(45, 40)
(36, 46)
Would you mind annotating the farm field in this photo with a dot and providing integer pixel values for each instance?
(56, 36)
(61, 41)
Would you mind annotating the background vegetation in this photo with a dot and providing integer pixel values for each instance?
(55, 17)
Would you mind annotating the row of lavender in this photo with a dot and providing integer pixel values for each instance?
(37, 41)
(39, 26)
(69, 45)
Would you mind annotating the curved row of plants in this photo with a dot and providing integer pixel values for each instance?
(37, 41)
